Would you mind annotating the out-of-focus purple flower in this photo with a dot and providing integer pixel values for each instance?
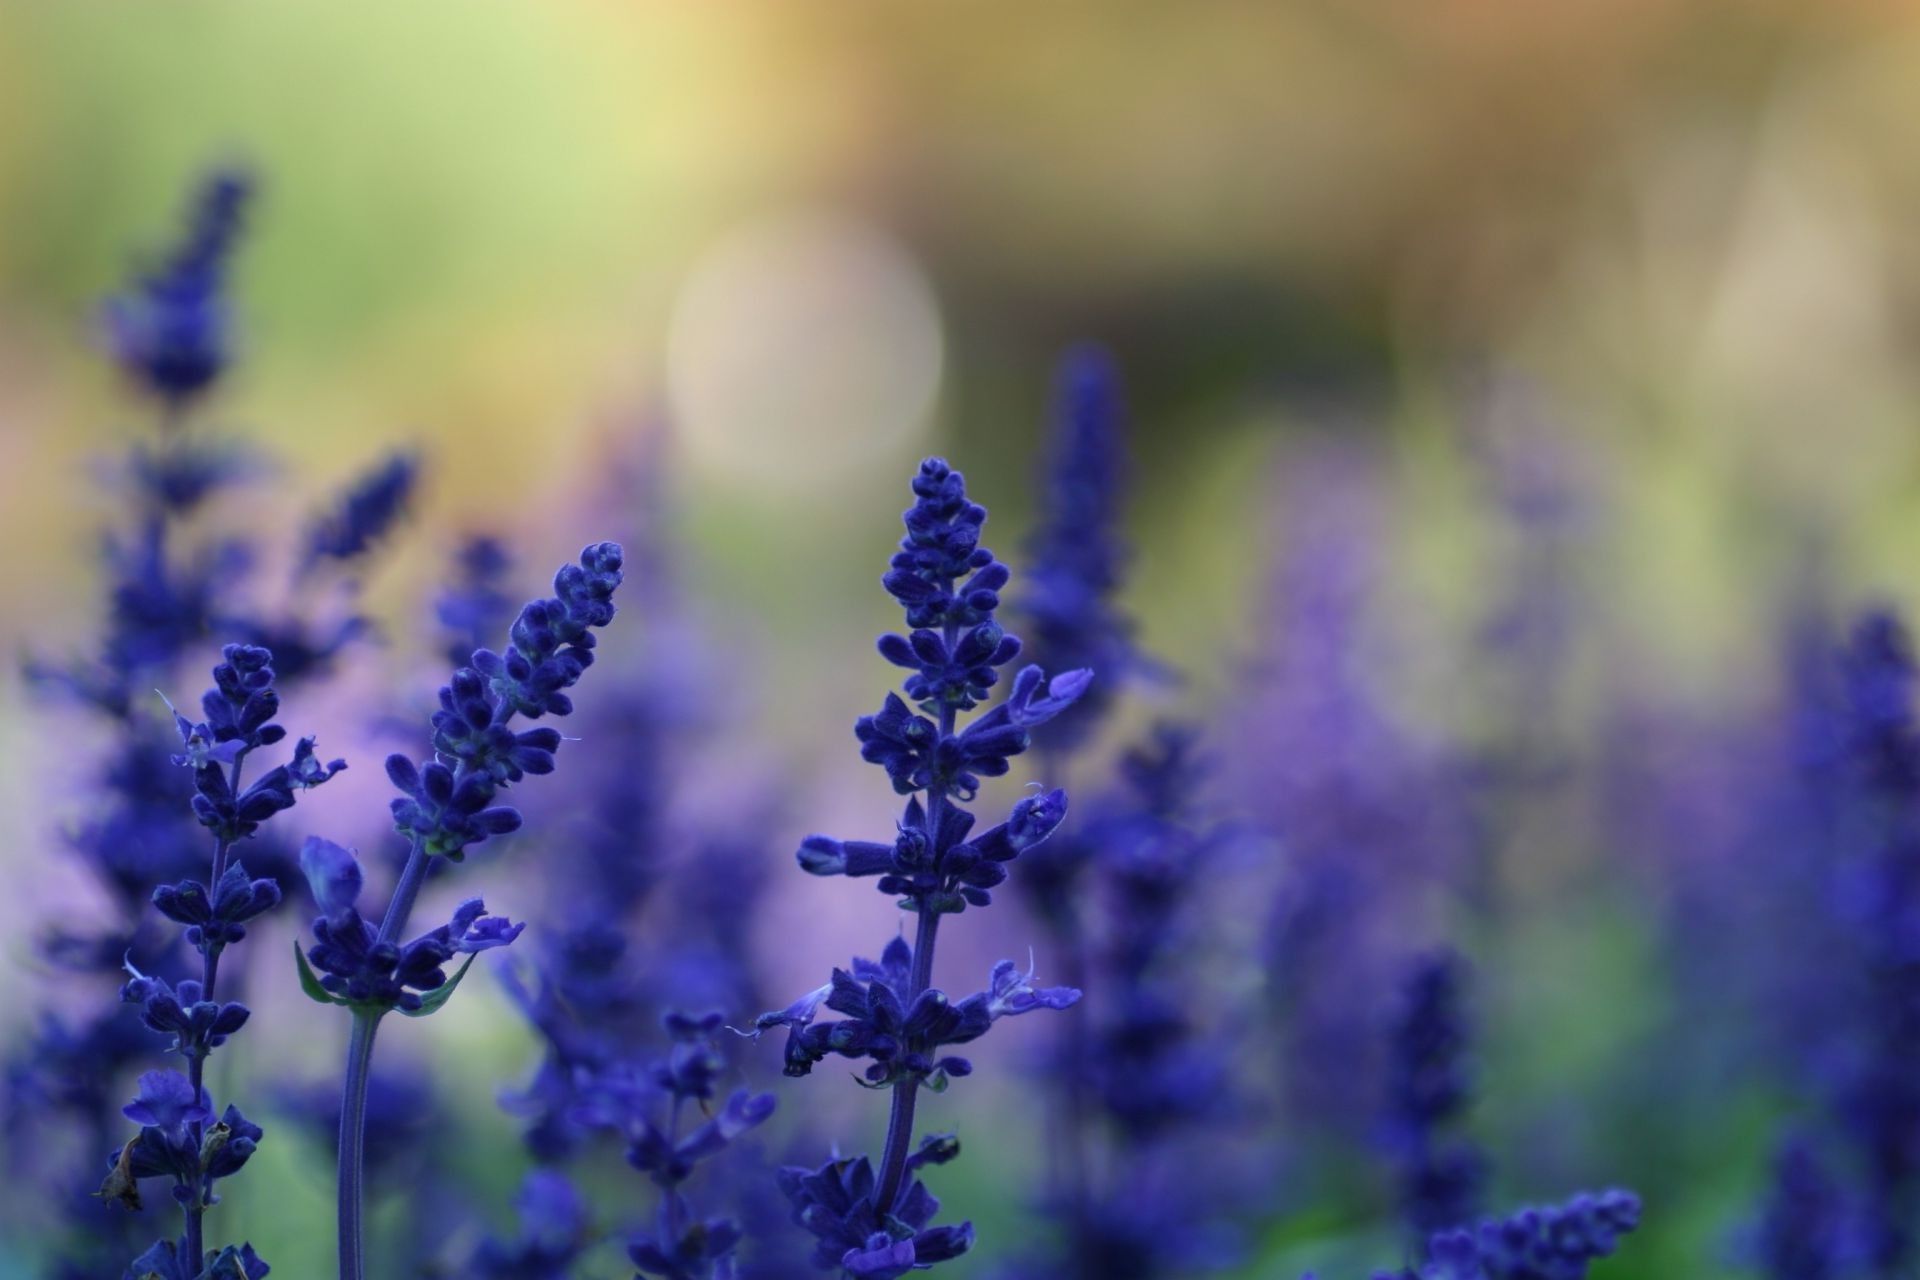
(1805, 1232)
(172, 330)
(365, 513)
(1143, 1084)
(475, 607)
(554, 1232)
(1076, 555)
(1440, 1171)
(169, 1260)
(1365, 810)
(1556, 1243)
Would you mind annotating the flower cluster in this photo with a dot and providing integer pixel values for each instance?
(919, 755)
(1880, 1105)
(1844, 1195)
(238, 712)
(1153, 1066)
(580, 995)
(447, 806)
(874, 1225)
(944, 871)
(1440, 1173)
(1153, 1118)
(1365, 805)
(902, 1031)
(180, 1137)
(362, 971)
(864, 1236)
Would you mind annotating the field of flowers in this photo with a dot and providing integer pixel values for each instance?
(597, 594)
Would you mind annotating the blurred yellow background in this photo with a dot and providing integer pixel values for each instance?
(494, 229)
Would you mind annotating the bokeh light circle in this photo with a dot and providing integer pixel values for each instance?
(800, 344)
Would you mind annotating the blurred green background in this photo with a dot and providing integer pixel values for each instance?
(819, 241)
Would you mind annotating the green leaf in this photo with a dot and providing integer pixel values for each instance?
(310, 983)
(433, 999)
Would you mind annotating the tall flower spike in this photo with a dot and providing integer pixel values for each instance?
(876, 1225)
(446, 807)
(179, 1137)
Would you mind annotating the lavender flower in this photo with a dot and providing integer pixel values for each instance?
(179, 1138)
(877, 1225)
(1440, 1173)
(444, 809)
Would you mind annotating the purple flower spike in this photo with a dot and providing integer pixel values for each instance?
(875, 1224)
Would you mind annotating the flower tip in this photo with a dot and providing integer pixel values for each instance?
(1069, 685)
